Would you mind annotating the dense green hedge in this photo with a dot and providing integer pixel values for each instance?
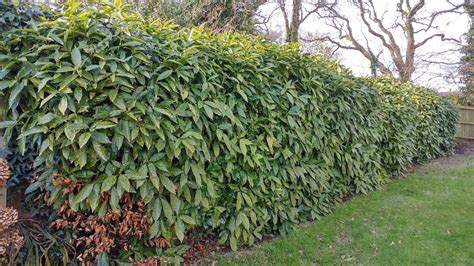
(418, 124)
(212, 131)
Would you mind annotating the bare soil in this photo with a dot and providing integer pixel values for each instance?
(463, 156)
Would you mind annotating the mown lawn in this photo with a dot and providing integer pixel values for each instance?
(424, 218)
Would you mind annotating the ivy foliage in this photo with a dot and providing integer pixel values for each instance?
(221, 131)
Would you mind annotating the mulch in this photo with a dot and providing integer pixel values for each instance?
(464, 147)
(201, 247)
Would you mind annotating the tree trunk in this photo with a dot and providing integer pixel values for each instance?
(293, 33)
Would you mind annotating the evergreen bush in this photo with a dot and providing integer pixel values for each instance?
(221, 132)
(418, 124)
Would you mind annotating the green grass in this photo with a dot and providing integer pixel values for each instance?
(425, 218)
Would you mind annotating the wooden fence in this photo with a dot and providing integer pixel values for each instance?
(466, 122)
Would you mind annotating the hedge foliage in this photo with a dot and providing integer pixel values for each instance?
(418, 124)
(221, 131)
(17, 16)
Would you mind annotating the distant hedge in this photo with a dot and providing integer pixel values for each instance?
(418, 124)
(209, 131)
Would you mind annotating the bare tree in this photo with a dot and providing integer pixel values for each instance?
(311, 43)
(467, 67)
(391, 42)
(262, 23)
(295, 13)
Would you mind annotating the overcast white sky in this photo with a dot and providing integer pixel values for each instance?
(453, 25)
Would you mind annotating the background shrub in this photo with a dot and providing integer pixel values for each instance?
(201, 130)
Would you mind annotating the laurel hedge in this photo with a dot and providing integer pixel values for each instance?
(211, 131)
(418, 124)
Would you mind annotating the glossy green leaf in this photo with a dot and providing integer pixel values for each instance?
(76, 57)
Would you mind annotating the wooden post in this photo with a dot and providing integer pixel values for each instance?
(3, 190)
